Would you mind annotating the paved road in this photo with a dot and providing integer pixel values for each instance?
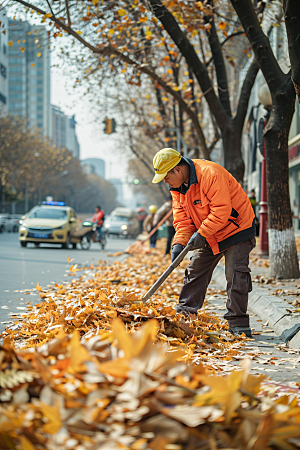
(21, 268)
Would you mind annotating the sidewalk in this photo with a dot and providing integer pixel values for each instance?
(277, 303)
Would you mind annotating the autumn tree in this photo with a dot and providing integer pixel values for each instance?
(112, 30)
(31, 165)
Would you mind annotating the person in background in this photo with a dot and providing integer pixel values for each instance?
(253, 202)
(98, 218)
(142, 214)
(148, 225)
(160, 213)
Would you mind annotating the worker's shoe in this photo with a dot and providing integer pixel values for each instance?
(185, 312)
(238, 331)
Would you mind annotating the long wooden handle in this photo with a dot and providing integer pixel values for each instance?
(165, 275)
(158, 225)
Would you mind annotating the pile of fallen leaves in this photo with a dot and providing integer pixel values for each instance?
(122, 390)
(90, 302)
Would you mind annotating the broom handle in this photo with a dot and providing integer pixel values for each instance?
(165, 275)
(158, 225)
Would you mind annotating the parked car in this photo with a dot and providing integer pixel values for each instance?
(12, 223)
(122, 222)
(3, 218)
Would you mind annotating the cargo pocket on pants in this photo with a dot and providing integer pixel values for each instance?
(242, 280)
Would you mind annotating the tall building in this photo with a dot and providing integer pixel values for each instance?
(97, 164)
(63, 131)
(118, 184)
(3, 61)
(29, 74)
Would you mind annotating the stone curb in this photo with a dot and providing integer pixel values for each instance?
(270, 308)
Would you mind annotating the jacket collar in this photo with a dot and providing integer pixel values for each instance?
(192, 178)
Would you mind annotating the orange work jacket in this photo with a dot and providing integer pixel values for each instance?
(213, 203)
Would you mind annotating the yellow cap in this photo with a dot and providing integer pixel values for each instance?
(153, 209)
(165, 160)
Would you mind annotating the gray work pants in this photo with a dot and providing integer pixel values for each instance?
(198, 275)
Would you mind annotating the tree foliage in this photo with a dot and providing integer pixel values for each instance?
(31, 163)
(180, 45)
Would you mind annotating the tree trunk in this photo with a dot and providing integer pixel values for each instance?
(292, 16)
(233, 161)
(282, 247)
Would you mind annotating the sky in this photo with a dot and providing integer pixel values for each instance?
(93, 142)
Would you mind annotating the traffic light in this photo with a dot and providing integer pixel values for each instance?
(136, 181)
(109, 126)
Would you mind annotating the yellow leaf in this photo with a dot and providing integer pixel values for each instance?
(222, 25)
(122, 12)
(38, 287)
(53, 416)
(78, 353)
(39, 54)
(133, 344)
(33, 64)
(79, 32)
(111, 31)
(224, 391)
(70, 260)
(115, 368)
(25, 443)
(10, 43)
(73, 268)
(199, 5)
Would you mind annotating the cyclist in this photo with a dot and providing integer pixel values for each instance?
(98, 218)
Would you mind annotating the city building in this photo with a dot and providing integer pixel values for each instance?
(118, 184)
(63, 131)
(3, 61)
(29, 74)
(94, 165)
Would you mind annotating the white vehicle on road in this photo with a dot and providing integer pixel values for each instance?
(12, 223)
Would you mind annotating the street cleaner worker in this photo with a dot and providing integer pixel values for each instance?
(213, 213)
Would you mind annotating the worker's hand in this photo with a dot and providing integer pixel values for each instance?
(176, 249)
(197, 241)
